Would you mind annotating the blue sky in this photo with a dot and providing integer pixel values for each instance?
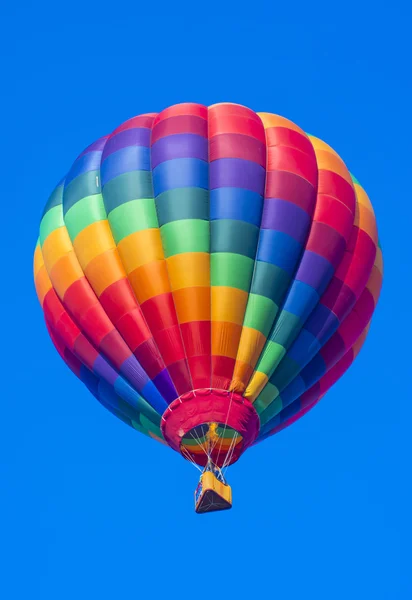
(91, 509)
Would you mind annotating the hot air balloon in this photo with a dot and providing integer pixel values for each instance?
(208, 273)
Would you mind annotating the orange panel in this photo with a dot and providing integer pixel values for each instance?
(192, 304)
(150, 280)
(104, 270)
(225, 339)
(270, 120)
(65, 272)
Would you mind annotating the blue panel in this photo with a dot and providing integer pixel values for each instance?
(236, 204)
(279, 249)
(304, 348)
(131, 158)
(87, 162)
(180, 172)
(314, 370)
(301, 300)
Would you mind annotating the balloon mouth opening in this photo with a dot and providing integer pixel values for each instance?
(210, 424)
(215, 441)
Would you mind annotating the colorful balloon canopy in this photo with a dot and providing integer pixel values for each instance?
(208, 265)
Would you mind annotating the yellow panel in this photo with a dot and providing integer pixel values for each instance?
(42, 283)
(65, 272)
(241, 375)
(189, 270)
(228, 304)
(256, 385)
(270, 120)
(92, 241)
(38, 261)
(320, 145)
(365, 220)
(56, 245)
(251, 345)
(362, 197)
(104, 270)
(329, 161)
(379, 260)
(140, 248)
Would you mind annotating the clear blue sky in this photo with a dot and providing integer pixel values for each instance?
(88, 507)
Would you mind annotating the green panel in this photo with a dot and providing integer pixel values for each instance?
(238, 237)
(55, 198)
(52, 220)
(86, 184)
(139, 428)
(84, 213)
(271, 357)
(151, 426)
(270, 281)
(286, 373)
(231, 270)
(286, 329)
(188, 235)
(132, 216)
(182, 203)
(271, 400)
(126, 187)
(260, 313)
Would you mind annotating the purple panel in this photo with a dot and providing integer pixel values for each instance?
(104, 370)
(235, 172)
(165, 386)
(98, 145)
(131, 137)
(182, 145)
(285, 216)
(315, 270)
(134, 373)
(322, 323)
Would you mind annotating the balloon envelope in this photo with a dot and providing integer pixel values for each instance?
(208, 265)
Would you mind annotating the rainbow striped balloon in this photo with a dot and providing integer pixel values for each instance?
(208, 265)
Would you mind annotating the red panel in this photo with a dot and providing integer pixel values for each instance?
(79, 297)
(336, 372)
(183, 124)
(237, 145)
(185, 109)
(67, 329)
(118, 299)
(196, 337)
(114, 347)
(332, 184)
(149, 357)
(84, 350)
(96, 324)
(52, 307)
(222, 371)
(160, 312)
(333, 350)
(145, 121)
(133, 329)
(179, 372)
(200, 370)
(335, 214)
(236, 111)
(293, 161)
(228, 123)
(288, 138)
(287, 186)
(169, 342)
(326, 242)
(207, 406)
(338, 298)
